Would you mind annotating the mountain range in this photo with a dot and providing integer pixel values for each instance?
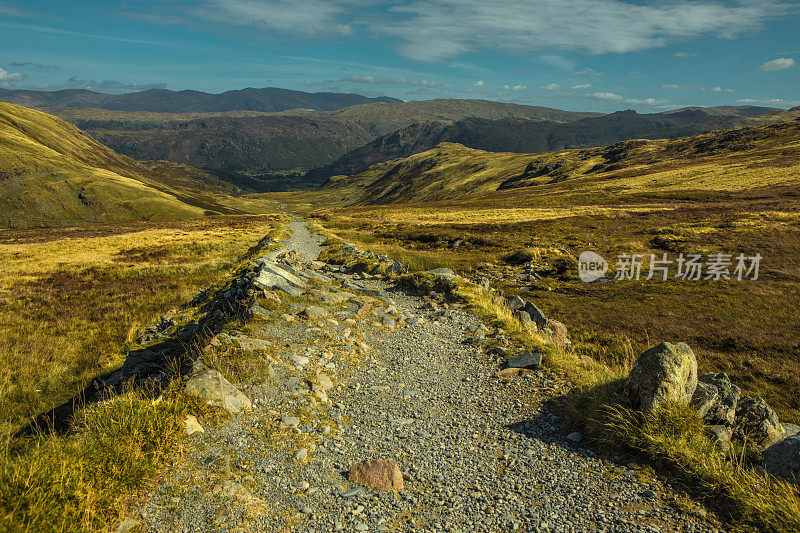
(269, 99)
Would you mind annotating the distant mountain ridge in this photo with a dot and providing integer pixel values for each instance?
(269, 99)
(530, 136)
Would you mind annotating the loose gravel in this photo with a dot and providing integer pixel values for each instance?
(477, 453)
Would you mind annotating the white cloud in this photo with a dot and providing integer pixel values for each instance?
(514, 87)
(782, 63)
(606, 96)
(372, 80)
(550, 87)
(558, 62)
(581, 86)
(671, 86)
(479, 83)
(646, 101)
(685, 54)
(778, 102)
(111, 86)
(426, 31)
(12, 76)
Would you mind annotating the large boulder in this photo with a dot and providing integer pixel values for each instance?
(782, 459)
(667, 372)
(536, 315)
(722, 410)
(211, 387)
(756, 423)
(377, 474)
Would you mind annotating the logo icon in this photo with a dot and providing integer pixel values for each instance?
(591, 266)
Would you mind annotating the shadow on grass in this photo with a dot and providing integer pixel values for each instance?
(152, 368)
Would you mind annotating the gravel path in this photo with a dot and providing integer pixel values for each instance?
(477, 453)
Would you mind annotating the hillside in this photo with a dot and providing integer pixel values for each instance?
(52, 173)
(165, 101)
(381, 118)
(728, 160)
(523, 135)
(257, 150)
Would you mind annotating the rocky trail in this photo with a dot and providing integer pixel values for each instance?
(359, 369)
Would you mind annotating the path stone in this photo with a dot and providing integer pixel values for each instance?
(667, 372)
(211, 387)
(377, 474)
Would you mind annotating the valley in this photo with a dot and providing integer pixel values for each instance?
(352, 264)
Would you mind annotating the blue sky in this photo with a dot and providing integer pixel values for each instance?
(600, 55)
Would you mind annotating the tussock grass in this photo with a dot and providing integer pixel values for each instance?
(79, 482)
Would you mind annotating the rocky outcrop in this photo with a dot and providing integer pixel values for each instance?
(664, 373)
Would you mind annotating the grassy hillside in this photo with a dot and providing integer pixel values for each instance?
(527, 135)
(52, 173)
(730, 191)
(380, 118)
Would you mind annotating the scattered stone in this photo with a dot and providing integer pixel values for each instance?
(313, 312)
(442, 273)
(791, 430)
(324, 381)
(301, 454)
(536, 315)
(355, 491)
(667, 372)
(704, 398)
(291, 421)
(231, 489)
(127, 525)
(299, 360)
(782, 459)
(575, 436)
(192, 426)
(723, 409)
(525, 320)
(525, 360)
(515, 303)
(256, 310)
(377, 474)
(211, 387)
(558, 333)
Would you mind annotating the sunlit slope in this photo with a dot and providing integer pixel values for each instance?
(52, 173)
(722, 161)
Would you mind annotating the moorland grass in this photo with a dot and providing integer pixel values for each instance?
(89, 305)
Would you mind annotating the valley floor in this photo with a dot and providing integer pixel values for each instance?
(477, 453)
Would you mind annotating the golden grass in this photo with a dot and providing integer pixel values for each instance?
(71, 307)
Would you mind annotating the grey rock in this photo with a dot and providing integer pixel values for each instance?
(211, 387)
(291, 421)
(515, 303)
(704, 398)
(756, 423)
(667, 372)
(525, 319)
(719, 435)
(782, 459)
(442, 273)
(791, 429)
(536, 315)
(525, 360)
(723, 409)
(575, 436)
(256, 310)
(313, 312)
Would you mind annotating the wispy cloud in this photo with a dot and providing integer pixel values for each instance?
(29, 64)
(605, 96)
(685, 54)
(713, 89)
(479, 83)
(514, 87)
(426, 31)
(580, 86)
(372, 80)
(551, 87)
(57, 31)
(11, 11)
(782, 63)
